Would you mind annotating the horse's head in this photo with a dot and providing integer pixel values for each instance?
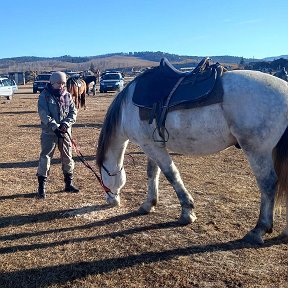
(114, 181)
(111, 147)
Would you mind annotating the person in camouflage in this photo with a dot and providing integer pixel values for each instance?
(57, 114)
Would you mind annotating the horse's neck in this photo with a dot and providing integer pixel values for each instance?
(114, 155)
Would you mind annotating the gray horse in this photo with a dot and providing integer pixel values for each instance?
(253, 113)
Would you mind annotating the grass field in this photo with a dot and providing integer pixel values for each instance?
(76, 240)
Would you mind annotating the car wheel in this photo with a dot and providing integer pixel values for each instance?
(9, 97)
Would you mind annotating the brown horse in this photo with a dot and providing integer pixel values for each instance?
(77, 88)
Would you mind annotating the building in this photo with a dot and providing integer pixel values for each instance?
(18, 77)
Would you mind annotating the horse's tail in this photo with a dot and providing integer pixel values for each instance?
(280, 155)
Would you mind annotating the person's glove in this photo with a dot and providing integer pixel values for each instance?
(58, 133)
(63, 127)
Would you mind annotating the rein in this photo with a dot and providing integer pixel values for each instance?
(86, 164)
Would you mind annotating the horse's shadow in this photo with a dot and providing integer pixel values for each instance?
(19, 220)
(60, 274)
(77, 125)
(31, 164)
(19, 112)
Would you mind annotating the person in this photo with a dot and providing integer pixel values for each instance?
(57, 114)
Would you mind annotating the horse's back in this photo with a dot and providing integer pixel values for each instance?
(254, 96)
(255, 105)
(189, 131)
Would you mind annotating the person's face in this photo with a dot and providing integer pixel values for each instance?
(58, 85)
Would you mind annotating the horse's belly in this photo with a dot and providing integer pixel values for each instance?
(198, 131)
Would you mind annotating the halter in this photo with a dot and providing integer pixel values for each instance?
(109, 173)
(106, 189)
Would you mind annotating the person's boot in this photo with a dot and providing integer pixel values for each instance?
(69, 187)
(41, 187)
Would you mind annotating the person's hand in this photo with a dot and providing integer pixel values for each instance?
(58, 133)
(63, 127)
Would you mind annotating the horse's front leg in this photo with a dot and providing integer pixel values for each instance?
(153, 172)
(162, 158)
(263, 168)
(187, 203)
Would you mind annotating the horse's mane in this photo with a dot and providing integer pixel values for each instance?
(111, 121)
(110, 124)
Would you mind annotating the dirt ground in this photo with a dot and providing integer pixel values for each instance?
(76, 240)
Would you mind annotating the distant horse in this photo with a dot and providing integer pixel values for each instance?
(77, 88)
(88, 80)
(253, 113)
(282, 74)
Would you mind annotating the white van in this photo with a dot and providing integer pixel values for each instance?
(7, 87)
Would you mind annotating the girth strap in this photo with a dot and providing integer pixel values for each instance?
(161, 122)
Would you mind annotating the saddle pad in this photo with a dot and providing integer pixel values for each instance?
(214, 97)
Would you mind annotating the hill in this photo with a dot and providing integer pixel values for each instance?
(275, 58)
(122, 61)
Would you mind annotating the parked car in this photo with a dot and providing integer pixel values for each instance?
(7, 87)
(14, 85)
(111, 81)
(40, 82)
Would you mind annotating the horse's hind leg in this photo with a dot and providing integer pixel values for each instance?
(153, 172)
(263, 168)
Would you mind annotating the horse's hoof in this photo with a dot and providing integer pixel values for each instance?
(253, 238)
(284, 235)
(186, 219)
(142, 211)
(146, 209)
(113, 202)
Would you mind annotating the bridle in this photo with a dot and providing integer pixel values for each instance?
(106, 189)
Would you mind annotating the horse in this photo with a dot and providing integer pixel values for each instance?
(282, 74)
(77, 88)
(88, 79)
(253, 114)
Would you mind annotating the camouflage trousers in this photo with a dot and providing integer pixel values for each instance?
(48, 146)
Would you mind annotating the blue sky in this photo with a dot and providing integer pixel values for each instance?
(245, 28)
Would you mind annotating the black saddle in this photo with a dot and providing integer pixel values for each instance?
(76, 79)
(164, 88)
(168, 70)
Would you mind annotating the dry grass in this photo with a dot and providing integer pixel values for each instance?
(73, 240)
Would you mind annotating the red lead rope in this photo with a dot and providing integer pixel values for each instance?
(82, 159)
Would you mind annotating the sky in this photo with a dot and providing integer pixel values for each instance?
(52, 28)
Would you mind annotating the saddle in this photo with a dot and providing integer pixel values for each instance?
(164, 88)
(76, 80)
